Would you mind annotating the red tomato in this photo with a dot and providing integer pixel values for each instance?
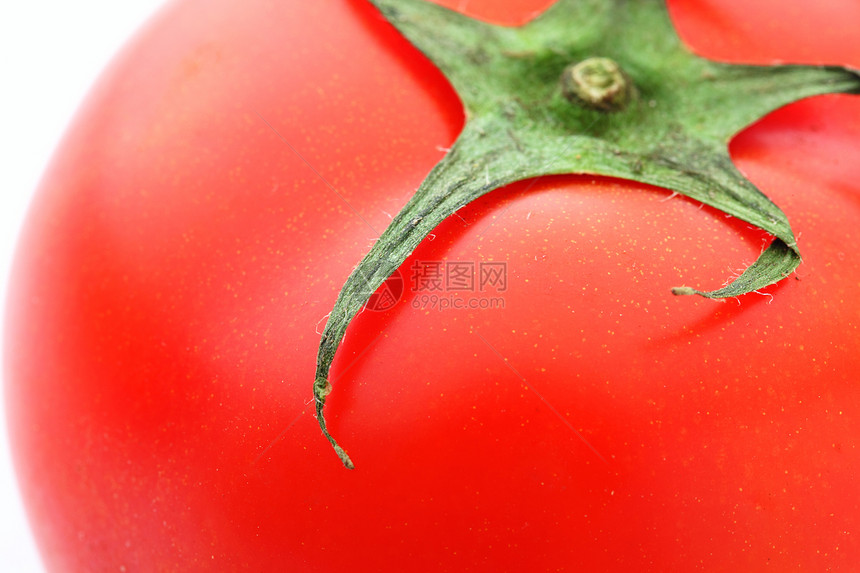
(231, 169)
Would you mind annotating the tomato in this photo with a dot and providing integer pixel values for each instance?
(219, 185)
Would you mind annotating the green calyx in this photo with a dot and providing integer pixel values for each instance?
(603, 87)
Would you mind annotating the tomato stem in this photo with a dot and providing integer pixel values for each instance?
(598, 83)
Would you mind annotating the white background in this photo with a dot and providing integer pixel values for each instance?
(51, 51)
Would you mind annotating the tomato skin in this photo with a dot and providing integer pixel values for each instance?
(180, 258)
